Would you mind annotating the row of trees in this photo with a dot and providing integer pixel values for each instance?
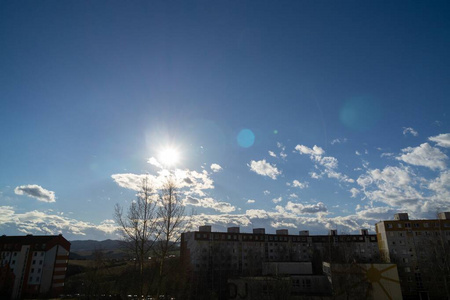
(151, 227)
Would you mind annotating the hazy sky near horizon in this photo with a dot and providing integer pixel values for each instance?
(285, 114)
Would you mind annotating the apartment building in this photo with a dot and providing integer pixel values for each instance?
(243, 253)
(32, 266)
(421, 250)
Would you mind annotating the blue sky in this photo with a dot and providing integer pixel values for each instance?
(293, 114)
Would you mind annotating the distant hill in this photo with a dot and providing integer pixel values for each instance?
(91, 245)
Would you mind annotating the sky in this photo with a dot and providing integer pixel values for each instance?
(299, 115)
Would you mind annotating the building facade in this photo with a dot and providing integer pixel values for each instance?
(213, 257)
(420, 248)
(32, 266)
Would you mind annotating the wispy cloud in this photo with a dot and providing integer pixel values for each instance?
(209, 202)
(329, 163)
(442, 140)
(216, 168)
(35, 191)
(250, 201)
(409, 131)
(299, 208)
(264, 168)
(273, 154)
(338, 141)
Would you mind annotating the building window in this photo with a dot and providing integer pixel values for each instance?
(416, 225)
(407, 269)
(34, 261)
(389, 225)
(32, 270)
(425, 225)
(13, 262)
(306, 283)
(399, 225)
(40, 262)
(37, 279)
(407, 225)
(35, 253)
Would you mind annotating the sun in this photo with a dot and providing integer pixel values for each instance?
(169, 156)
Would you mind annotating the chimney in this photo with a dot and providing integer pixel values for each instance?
(205, 228)
(364, 231)
(444, 215)
(332, 232)
(259, 231)
(233, 229)
(282, 232)
(401, 217)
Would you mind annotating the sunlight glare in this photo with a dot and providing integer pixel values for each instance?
(169, 156)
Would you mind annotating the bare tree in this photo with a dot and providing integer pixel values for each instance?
(170, 224)
(139, 227)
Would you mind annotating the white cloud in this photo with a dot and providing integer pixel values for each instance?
(35, 191)
(293, 196)
(328, 163)
(277, 200)
(357, 152)
(249, 201)
(266, 192)
(354, 192)
(338, 141)
(51, 223)
(425, 156)
(209, 202)
(264, 168)
(187, 181)
(216, 168)
(315, 150)
(273, 154)
(442, 140)
(153, 161)
(410, 130)
(299, 208)
(392, 185)
(298, 184)
(387, 154)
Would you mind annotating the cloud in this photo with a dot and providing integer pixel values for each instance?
(329, 163)
(299, 208)
(442, 140)
(425, 156)
(338, 141)
(273, 154)
(51, 223)
(216, 168)
(264, 168)
(187, 181)
(293, 196)
(209, 202)
(409, 130)
(283, 155)
(354, 192)
(357, 152)
(315, 150)
(394, 186)
(298, 184)
(155, 162)
(249, 201)
(277, 200)
(35, 191)
(266, 192)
